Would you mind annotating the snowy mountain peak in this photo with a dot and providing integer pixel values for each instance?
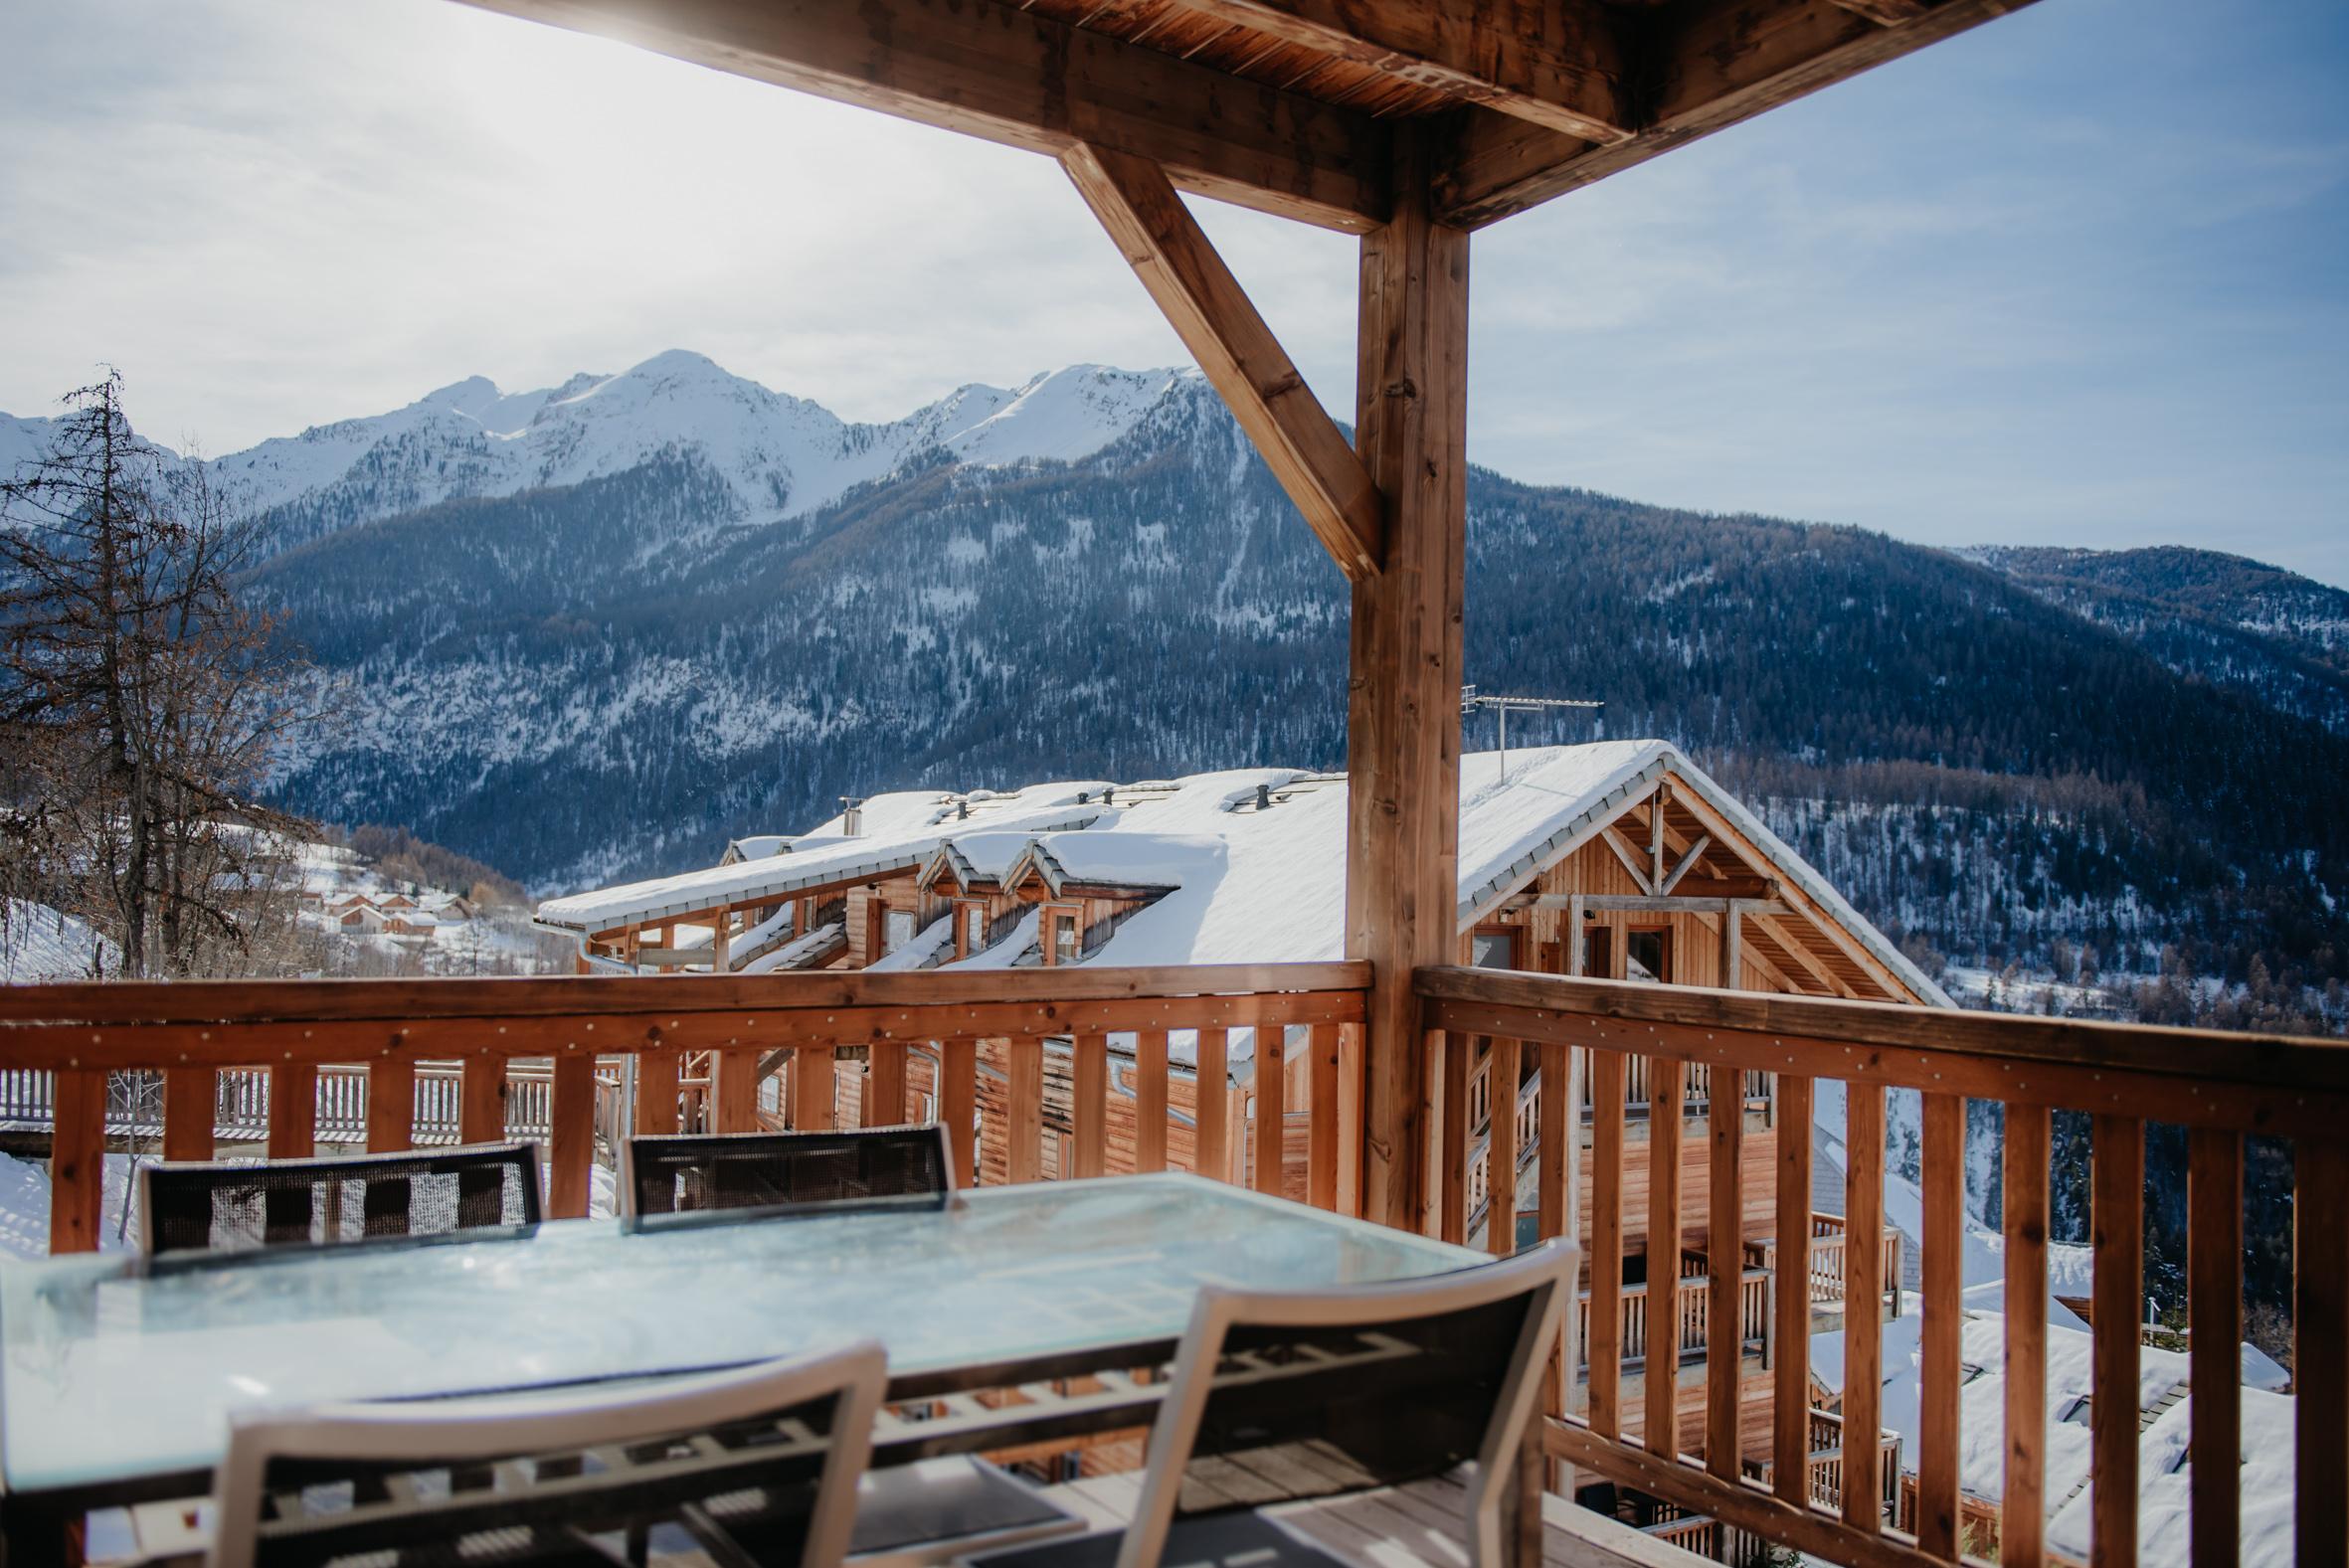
(780, 457)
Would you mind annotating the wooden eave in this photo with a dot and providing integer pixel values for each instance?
(683, 916)
(1290, 105)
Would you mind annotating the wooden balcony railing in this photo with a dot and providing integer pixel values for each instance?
(2220, 1087)
(1826, 1281)
(526, 1054)
(1691, 1317)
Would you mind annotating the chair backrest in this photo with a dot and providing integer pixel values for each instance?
(224, 1206)
(757, 1464)
(890, 1166)
(1281, 1396)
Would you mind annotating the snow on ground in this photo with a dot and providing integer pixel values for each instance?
(24, 1209)
(43, 943)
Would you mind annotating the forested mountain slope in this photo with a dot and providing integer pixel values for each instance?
(581, 681)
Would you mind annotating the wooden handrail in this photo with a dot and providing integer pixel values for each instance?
(2225, 1087)
(307, 1035)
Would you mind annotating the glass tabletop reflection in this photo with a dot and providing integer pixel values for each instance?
(111, 1374)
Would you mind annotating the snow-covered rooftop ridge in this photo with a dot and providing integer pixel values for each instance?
(898, 831)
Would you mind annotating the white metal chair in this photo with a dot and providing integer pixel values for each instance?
(1285, 1397)
(757, 1466)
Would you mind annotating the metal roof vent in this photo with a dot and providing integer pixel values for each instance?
(851, 814)
(1263, 796)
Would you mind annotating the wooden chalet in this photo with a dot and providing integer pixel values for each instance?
(1412, 123)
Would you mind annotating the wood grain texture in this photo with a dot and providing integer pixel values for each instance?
(1725, 1265)
(1323, 1139)
(2118, 1237)
(2320, 1347)
(658, 1077)
(1665, 1080)
(1024, 80)
(1149, 1095)
(1023, 1097)
(1863, 1290)
(1272, 1108)
(957, 1106)
(1214, 1105)
(191, 1097)
(1607, 1242)
(1451, 1052)
(2021, 1513)
(1404, 659)
(1501, 1150)
(1790, 1400)
(571, 1135)
(1942, 1329)
(1089, 1105)
(391, 1105)
(884, 1085)
(2213, 1315)
(294, 1110)
(1242, 360)
(77, 1160)
(735, 1091)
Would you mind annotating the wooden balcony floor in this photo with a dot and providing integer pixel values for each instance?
(1413, 1526)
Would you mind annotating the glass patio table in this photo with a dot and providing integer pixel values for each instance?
(118, 1380)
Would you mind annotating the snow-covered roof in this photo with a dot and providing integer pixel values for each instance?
(898, 831)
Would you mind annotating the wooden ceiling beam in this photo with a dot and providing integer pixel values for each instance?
(1703, 66)
(1015, 76)
(1554, 63)
(1243, 361)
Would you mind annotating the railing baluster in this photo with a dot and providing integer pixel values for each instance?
(1500, 1074)
(77, 1158)
(294, 1110)
(2214, 1319)
(2320, 1350)
(571, 1135)
(816, 1089)
(2022, 1511)
(1452, 1217)
(391, 1105)
(957, 1106)
(734, 1085)
(1942, 1329)
(1272, 1106)
(657, 1074)
(191, 1104)
(1089, 1105)
(1606, 1238)
(1724, 1262)
(2118, 1220)
(1150, 1095)
(1023, 1114)
(1321, 1140)
(1864, 1300)
(1790, 1397)
(884, 1085)
(1662, 1398)
(1214, 1102)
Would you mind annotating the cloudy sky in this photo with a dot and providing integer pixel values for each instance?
(2078, 277)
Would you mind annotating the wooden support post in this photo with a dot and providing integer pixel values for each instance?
(1023, 1114)
(1404, 659)
(391, 1105)
(1501, 1087)
(1150, 1095)
(815, 1086)
(1662, 1397)
(1089, 1105)
(2022, 1511)
(1215, 1104)
(1790, 1369)
(77, 1160)
(657, 1075)
(1272, 1106)
(571, 1135)
(957, 1106)
(2117, 1224)
(191, 1108)
(734, 1083)
(294, 1110)
(2214, 1319)
(480, 1101)
(721, 941)
(884, 1084)
(1321, 1144)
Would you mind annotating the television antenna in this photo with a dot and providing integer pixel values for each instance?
(1471, 700)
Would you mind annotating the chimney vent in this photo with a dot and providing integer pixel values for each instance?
(1264, 797)
(852, 814)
